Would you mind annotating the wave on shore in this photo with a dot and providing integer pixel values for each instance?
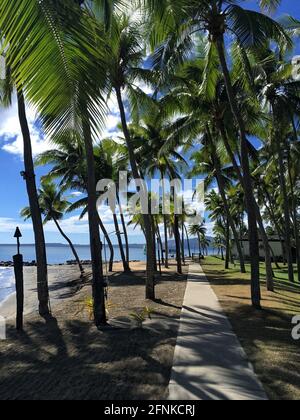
(7, 283)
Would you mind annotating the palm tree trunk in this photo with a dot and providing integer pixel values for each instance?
(269, 208)
(227, 258)
(40, 246)
(248, 187)
(70, 244)
(153, 229)
(160, 244)
(150, 284)
(165, 226)
(98, 282)
(177, 243)
(221, 186)
(295, 218)
(124, 230)
(286, 206)
(120, 242)
(109, 243)
(188, 241)
(268, 259)
(182, 243)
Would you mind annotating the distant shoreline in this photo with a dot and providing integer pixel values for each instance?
(10, 264)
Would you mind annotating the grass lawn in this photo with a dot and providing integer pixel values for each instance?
(265, 335)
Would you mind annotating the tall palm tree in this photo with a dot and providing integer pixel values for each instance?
(64, 81)
(215, 18)
(7, 90)
(53, 206)
(198, 230)
(152, 133)
(68, 165)
(280, 94)
(127, 53)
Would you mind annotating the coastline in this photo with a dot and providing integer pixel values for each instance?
(59, 278)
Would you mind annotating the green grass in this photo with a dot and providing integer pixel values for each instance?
(266, 334)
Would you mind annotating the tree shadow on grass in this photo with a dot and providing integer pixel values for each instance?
(266, 338)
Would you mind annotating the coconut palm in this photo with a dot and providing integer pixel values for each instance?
(279, 93)
(53, 206)
(124, 70)
(55, 55)
(151, 135)
(6, 98)
(199, 230)
(68, 166)
(175, 29)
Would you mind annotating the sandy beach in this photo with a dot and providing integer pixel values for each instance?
(58, 277)
(66, 357)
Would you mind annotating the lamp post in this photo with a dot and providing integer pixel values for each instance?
(18, 269)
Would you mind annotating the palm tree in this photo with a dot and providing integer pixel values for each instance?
(199, 230)
(219, 238)
(127, 53)
(64, 81)
(250, 29)
(53, 206)
(68, 165)
(7, 89)
(280, 94)
(152, 133)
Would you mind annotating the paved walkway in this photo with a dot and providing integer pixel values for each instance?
(209, 362)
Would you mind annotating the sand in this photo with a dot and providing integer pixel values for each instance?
(58, 278)
(67, 358)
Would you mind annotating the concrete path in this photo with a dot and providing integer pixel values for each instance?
(209, 362)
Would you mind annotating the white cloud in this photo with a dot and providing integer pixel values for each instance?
(11, 139)
(76, 194)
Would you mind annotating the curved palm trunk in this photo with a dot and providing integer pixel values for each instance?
(71, 246)
(177, 244)
(188, 241)
(98, 282)
(267, 249)
(124, 230)
(286, 206)
(160, 243)
(109, 243)
(182, 243)
(40, 246)
(118, 233)
(166, 242)
(150, 284)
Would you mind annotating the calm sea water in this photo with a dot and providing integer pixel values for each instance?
(55, 255)
(7, 283)
(61, 254)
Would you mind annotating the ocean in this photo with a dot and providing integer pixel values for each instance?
(56, 254)
(7, 283)
(59, 254)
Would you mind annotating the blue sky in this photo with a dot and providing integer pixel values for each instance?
(12, 186)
